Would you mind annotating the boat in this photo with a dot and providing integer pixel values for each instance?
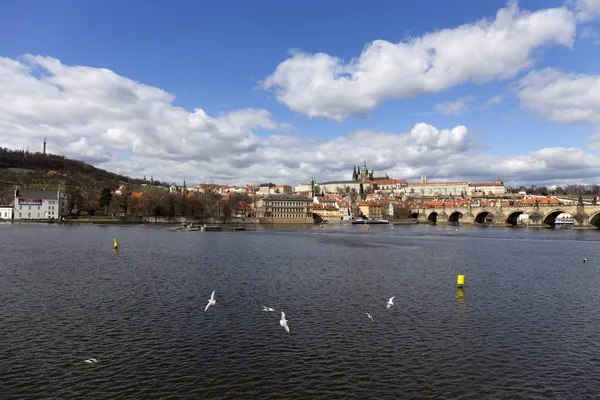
(564, 223)
(362, 221)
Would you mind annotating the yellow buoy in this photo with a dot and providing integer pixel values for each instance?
(115, 243)
(321, 225)
(392, 227)
(456, 229)
(460, 281)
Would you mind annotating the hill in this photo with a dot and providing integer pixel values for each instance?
(51, 171)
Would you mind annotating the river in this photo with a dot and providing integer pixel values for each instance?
(526, 325)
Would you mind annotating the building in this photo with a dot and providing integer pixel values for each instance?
(487, 189)
(284, 208)
(266, 188)
(373, 209)
(327, 211)
(462, 189)
(39, 204)
(6, 213)
(362, 181)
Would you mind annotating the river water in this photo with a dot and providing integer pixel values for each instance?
(526, 326)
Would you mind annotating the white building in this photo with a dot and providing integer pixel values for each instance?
(6, 213)
(39, 204)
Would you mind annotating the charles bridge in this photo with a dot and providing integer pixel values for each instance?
(584, 216)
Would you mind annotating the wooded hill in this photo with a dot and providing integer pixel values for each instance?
(35, 171)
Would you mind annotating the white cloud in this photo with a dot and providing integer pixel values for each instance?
(561, 97)
(586, 9)
(589, 33)
(493, 101)
(127, 127)
(321, 85)
(455, 107)
(95, 114)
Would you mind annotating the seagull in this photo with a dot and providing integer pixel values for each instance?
(390, 302)
(369, 315)
(211, 301)
(268, 308)
(283, 322)
(90, 360)
(586, 260)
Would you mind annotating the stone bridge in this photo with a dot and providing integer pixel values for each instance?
(587, 216)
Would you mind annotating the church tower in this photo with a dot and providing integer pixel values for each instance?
(364, 173)
(313, 183)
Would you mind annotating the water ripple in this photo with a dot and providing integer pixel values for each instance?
(526, 326)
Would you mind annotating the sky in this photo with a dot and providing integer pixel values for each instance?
(244, 92)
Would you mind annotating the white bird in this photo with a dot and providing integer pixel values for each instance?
(283, 322)
(369, 315)
(268, 308)
(390, 302)
(90, 360)
(211, 301)
(586, 260)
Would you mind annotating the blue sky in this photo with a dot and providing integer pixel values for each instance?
(467, 90)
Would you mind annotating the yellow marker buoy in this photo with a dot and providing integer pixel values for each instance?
(456, 229)
(460, 281)
(115, 243)
(392, 227)
(321, 225)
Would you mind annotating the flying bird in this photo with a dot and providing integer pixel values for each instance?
(369, 315)
(268, 308)
(283, 322)
(390, 302)
(211, 301)
(586, 260)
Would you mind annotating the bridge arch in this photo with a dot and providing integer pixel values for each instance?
(595, 220)
(455, 217)
(513, 217)
(483, 217)
(414, 215)
(550, 218)
(432, 217)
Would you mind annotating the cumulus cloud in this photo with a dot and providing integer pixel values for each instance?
(322, 85)
(96, 115)
(455, 107)
(562, 97)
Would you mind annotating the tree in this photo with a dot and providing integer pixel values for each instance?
(105, 199)
(352, 195)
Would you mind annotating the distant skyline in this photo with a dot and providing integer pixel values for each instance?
(239, 92)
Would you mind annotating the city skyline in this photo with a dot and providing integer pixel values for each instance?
(239, 93)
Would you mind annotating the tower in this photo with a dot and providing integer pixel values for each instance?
(364, 173)
(313, 183)
(44, 146)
